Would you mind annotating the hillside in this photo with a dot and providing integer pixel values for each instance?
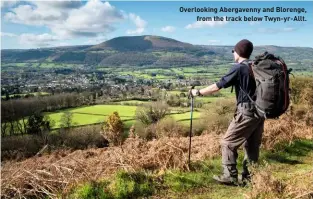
(150, 51)
(140, 43)
(158, 169)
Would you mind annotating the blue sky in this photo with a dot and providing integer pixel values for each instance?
(33, 24)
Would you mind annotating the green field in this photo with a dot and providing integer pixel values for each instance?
(210, 72)
(99, 113)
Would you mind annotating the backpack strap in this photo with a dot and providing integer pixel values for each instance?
(253, 102)
(246, 94)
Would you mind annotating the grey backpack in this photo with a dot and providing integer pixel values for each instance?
(272, 85)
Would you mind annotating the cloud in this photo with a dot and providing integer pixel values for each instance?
(168, 29)
(203, 24)
(71, 19)
(8, 4)
(38, 40)
(289, 29)
(252, 23)
(90, 20)
(214, 42)
(7, 34)
(58, 4)
(68, 19)
(275, 30)
(96, 40)
(140, 25)
(40, 13)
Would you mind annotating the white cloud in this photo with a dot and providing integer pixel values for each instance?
(96, 40)
(36, 15)
(38, 40)
(7, 4)
(140, 25)
(57, 4)
(252, 23)
(275, 30)
(289, 29)
(203, 24)
(7, 34)
(71, 19)
(168, 29)
(90, 20)
(214, 42)
(68, 19)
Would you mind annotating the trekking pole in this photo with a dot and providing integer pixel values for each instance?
(190, 96)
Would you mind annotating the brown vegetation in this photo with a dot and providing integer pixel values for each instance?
(166, 127)
(49, 174)
(265, 185)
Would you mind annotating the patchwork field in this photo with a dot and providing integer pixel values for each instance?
(99, 113)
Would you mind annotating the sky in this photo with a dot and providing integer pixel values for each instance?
(36, 24)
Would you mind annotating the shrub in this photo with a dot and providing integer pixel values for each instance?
(132, 185)
(91, 190)
(168, 127)
(174, 100)
(113, 129)
(218, 115)
(20, 147)
(66, 120)
(151, 112)
(145, 132)
(83, 137)
(302, 90)
(263, 176)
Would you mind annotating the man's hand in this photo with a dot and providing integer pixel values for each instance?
(194, 92)
(205, 91)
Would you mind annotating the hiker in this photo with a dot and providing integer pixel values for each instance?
(247, 126)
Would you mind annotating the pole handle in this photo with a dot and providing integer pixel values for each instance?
(190, 94)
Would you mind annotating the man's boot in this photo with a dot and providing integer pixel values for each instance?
(245, 175)
(228, 180)
(229, 176)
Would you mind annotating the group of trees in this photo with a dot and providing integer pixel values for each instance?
(17, 115)
(148, 114)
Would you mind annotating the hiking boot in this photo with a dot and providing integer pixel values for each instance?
(245, 179)
(228, 180)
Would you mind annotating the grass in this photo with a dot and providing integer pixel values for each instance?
(124, 185)
(98, 113)
(210, 72)
(198, 182)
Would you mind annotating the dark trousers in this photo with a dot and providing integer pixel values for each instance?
(245, 128)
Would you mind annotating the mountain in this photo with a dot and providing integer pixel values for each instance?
(141, 43)
(147, 50)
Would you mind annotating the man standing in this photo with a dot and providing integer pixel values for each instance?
(247, 126)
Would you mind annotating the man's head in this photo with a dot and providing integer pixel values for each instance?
(243, 49)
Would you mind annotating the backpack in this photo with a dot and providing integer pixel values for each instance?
(272, 85)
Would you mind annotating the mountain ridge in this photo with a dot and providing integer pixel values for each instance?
(146, 50)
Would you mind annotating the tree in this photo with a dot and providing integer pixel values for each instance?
(66, 120)
(37, 123)
(152, 112)
(113, 129)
